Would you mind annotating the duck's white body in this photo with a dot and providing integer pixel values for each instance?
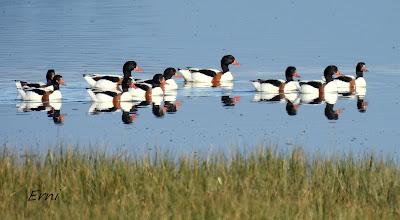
(102, 84)
(26, 106)
(225, 85)
(330, 87)
(360, 82)
(170, 84)
(361, 91)
(190, 75)
(41, 84)
(139, 94)
(33, 95)
(307, 98)
(267, 96)
(292, 86)
(108, 96)
(343, 85)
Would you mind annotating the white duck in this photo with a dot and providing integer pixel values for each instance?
(148, 89)
(211, 75)
(170, 83)
(318, 91)
(35, 85)
(42, 94)
(279, 86)
(111, 96)
(319, 86)
(111, 82)
(349, 83)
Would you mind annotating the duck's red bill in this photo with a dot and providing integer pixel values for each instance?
(236, 63)
(138, 69)
(296, 74)
(236, 99)
(338, 73)
(178, 104)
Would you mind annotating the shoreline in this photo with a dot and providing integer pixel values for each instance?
(264, 183)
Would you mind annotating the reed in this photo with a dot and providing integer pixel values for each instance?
(263, 184)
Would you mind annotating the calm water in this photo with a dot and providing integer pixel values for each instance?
(76, 37)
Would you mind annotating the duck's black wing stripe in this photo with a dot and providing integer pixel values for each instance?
(39, 91)
(111, 78)
(274, 82)
(33, 85)
(205, 72)
(142, 86)
(344, 78)
(112, 94)
(314, 84)
(149, 81)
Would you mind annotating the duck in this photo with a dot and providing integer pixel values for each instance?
(348, 83)
(111, 82)
(39, 94)
(278, 85)
(213, 76)
(317, 91)
(113, 96)
(34, 85)
(170, 83)
(150, 88)
(228, 101)
(321, 87)
(330, 113)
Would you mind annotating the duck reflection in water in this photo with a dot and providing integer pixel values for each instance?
(362, 105)
(128, 117)
(291, 109)
(292, 100)
(53, 109)
(168, 106)
(129, 109)
(332, 114)
(228, 101)
(228, 85)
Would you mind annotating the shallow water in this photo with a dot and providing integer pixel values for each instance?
(84, 37)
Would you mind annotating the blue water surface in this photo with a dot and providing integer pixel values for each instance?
(77, 37)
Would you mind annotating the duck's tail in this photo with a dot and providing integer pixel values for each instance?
(256, 84)
(18, 84)
(89, 79)
(92, 95)
(22, 93)
(187, 75)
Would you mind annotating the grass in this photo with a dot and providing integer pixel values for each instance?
(263, 184)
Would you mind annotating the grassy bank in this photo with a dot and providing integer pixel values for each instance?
(263, 184)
